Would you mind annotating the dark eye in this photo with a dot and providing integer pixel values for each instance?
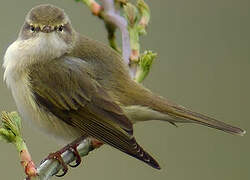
(60, 28)
(32, 28)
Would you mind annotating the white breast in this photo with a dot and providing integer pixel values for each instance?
(16, 59)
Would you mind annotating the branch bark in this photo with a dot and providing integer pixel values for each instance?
(113, 16)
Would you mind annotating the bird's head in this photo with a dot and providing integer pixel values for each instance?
(47, 28)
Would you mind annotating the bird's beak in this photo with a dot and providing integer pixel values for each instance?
(47, 29)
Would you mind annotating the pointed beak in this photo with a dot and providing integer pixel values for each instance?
(47, 29)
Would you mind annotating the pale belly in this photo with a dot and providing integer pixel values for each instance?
(39, 119)
(18, 56)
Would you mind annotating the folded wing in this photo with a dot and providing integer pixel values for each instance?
(67, 88)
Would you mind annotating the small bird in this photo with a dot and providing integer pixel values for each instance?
(69, 85)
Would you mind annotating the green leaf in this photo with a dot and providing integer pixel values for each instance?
(145, 63)
(10, 129)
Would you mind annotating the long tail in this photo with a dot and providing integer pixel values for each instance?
(175, 113)
(193, 117)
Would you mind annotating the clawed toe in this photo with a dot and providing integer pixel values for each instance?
(58, 157)
(65, 170)
(73, 148)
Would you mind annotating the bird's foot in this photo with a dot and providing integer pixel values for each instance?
(58, 156)
(73, 149)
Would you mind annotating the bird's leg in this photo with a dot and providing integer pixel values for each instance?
(71, 147)
(58, 157)
(96, 143)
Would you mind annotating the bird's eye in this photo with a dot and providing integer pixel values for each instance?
(32, 28)
(60, 28)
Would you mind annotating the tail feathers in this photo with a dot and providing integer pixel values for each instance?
(170, 112)
(198, 118)
(139, 153)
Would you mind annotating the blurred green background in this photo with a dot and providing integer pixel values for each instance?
(203, 63)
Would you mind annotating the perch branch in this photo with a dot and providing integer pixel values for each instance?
(132, 27)
(113, 16)
(112, 19)
(10, 131)
(51, 167)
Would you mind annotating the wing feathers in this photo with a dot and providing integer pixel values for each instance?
(74, 96)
